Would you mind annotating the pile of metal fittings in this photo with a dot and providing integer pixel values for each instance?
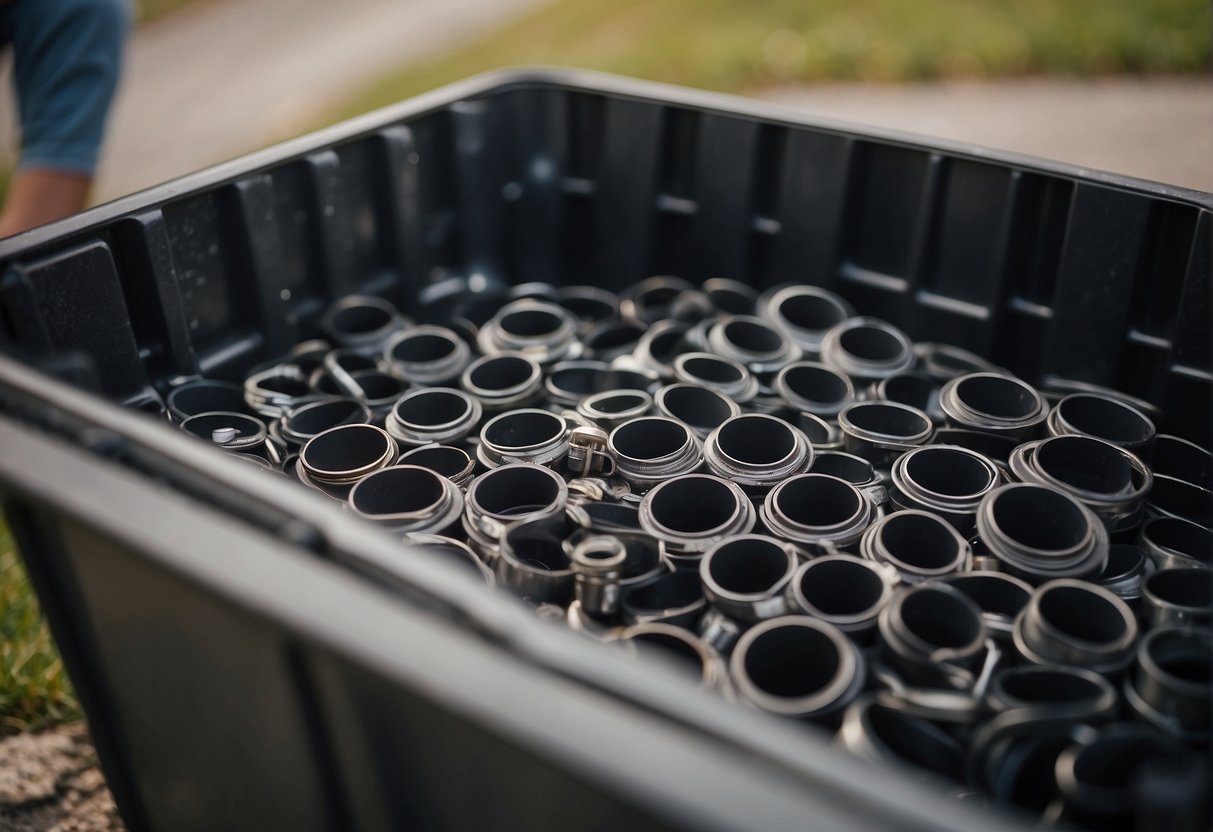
(1007, 589)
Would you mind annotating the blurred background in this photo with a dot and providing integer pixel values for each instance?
(1121, 85)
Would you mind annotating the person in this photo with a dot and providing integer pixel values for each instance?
(66, 60)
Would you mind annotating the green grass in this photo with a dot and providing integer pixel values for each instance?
(146, 10)
(732, 45)
(34, 689)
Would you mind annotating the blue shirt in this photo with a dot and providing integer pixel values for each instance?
(66, 60)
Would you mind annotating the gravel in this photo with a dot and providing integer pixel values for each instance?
(49, 782)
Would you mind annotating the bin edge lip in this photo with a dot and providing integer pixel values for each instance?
(589, 81)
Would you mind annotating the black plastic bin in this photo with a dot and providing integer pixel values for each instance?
(250, 657)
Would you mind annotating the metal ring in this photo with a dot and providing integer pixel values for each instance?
(503, 382)
(797, 666)
(431, 356)
(408, 499)
(805, 313)
(1071, 622)
(430, 415)
(817, 509)
(994, 403)
(652, 449)
(526, 435)
(883, 431)
(693, 512)
(757, 452)
(867, 348)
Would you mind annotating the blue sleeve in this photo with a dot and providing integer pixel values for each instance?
(66, 60)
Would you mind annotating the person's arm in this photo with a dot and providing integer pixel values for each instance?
(38, 196)
(66, 59)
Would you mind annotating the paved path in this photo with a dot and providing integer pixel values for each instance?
(1159, 129)
(222, 77)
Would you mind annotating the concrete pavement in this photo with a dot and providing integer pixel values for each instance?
(1154, 128)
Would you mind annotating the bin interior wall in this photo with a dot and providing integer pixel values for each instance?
(1053, 276)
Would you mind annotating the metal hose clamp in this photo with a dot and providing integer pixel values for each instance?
(337, 458)
(431, 415)
(1173, 456)
(999, 596)
(659, 346)
(652, 449)
(590, 304)
(205, 396)
(919, 545)
(746, 577)
(731, 297)
(797, 666)
(299, 424)
(274, 391)
(694, 512)
(598, 563)
(814, 388)
(1125, 572)
(883, 431)
(1170, 685)
(511, 493)
(1110, 418)
(451, 462)
(725, 376)
(1178, 597)
(844, 591)
(994, 403)
(933, 634)
(236, 433)
(538, 329)
(533, 563)
(407, 499)
(653, 298)
(674, 598)
(913, 388)
(1170, 543)
(881, 733)
(944, 362)
(1053, 692)
(612, 408)
(1096, 775)
(760, 347)
(429, 356)
(362, 323)
(1074, 544)
(644, 555)
(526, 435)
(1171, 497)
(705, 665)
(757, 452)
(453, 551)
(609, 340)
(503, 382)
(817, 510)
(702, 409)
(856, 470)
(867, 349)
(1109, 480)
(1071, 622)
(822, 435)
(946, 480)
(804, 313)
(569, 382)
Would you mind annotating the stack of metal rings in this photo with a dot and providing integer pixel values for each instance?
(998, 587)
